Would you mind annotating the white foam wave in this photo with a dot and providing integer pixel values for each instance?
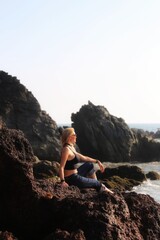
(149, 187)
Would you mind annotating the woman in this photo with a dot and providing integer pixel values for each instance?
(70, 174)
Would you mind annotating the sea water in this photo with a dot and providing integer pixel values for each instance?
(150, 187)
(150, 127)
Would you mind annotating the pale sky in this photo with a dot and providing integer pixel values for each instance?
(67, 52)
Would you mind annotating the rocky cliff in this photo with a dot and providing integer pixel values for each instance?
(28, 212)
(19, 109)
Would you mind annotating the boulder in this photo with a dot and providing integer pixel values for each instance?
(122, 178)
(153, 175)
(145, 149)
(117, 183)
(102, 135)
(124, 171)
(157, 134)
(46, 169)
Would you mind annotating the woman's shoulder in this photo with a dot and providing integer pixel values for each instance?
(65, 149)
(70, 149)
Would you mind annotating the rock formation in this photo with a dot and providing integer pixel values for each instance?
(27, 212)
(108, 138)
(157, 134)
(153, 175)
(124, 171)
(145, 149)
(19, 109)
(102, 135)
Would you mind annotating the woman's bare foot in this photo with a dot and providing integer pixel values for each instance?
(104, 189)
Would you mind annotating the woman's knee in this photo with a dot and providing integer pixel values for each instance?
(90, 165)
(91, 169)
(86, 169)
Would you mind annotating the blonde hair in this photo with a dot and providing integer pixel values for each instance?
(65, 135)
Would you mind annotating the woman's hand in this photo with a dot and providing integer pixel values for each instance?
(101, 167)
(64, 184)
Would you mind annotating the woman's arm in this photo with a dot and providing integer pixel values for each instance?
(64, 157)
(89, 159)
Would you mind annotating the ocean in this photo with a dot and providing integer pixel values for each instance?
(150, 127)
(150, 187)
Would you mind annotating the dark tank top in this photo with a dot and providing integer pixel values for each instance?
(71, 164)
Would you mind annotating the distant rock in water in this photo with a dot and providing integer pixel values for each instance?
(157, 134)
(145, 149)
(102, 135)
(19, 109)
(153, 175)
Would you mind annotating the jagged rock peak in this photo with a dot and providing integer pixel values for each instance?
(12, 90)
(97, 110)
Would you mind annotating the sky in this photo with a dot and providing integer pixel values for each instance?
(69, 52)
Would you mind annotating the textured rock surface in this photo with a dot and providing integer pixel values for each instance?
(28, 213)
(19, 109)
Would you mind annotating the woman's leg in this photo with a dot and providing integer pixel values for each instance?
(93, 176)
(83, 182)
(87, 170)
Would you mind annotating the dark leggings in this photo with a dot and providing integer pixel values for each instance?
(82, 180)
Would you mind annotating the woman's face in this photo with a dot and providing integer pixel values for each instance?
(73, 137)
